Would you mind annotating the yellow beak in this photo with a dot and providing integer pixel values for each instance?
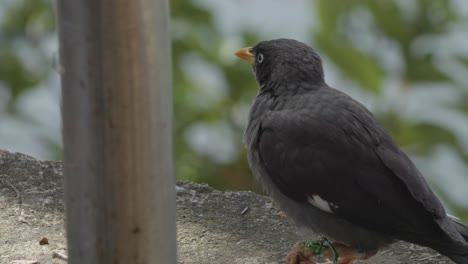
(245, 54)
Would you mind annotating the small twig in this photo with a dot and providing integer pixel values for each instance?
(428, 257)
(23, 261)
(245, 210)
(40, 191)
(18, 194)
(60, 256)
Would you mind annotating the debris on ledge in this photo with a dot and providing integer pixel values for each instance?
(213, 226)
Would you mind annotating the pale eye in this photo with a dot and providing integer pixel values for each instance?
(260, 58)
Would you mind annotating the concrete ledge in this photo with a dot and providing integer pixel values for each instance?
(213, 226)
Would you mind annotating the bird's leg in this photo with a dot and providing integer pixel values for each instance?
(321, 250)
(303, 253)
(330, 245)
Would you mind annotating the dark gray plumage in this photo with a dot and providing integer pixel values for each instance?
(331, 166)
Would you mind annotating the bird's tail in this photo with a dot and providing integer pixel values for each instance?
(463, 230)
(459, 259)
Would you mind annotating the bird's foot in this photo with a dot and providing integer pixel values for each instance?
(322, 251)
(312, 252)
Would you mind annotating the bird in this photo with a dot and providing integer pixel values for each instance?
(329, 164)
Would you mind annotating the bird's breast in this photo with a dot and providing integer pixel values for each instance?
(260, 106)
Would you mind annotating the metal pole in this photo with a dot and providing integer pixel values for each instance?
(117, 131)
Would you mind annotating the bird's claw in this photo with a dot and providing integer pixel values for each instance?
(328, 244)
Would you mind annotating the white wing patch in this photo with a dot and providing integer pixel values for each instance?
(320, 203)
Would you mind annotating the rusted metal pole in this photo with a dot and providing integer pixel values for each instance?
(117, 131)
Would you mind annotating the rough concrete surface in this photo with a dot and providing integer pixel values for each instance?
(213, 226)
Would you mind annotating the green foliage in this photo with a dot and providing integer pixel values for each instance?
(195, 37)
(391, 22)
(352, 34)
(25, 22)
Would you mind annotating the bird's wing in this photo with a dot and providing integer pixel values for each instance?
(347, 160)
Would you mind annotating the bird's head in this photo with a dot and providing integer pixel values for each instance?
(283, 61)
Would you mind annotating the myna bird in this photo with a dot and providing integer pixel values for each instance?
(332, 167)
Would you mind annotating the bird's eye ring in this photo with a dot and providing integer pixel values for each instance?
(260, 58)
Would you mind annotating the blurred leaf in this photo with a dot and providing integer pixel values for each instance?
(389, 20)
(14, 74)
(24, 22)
(423, 69)
(355, 64)
(462, 104)
(31, 17)
(463, 60)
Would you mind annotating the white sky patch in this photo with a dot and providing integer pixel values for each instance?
(271, 19)
(208, 77)
(215, 140)
(446, 170)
